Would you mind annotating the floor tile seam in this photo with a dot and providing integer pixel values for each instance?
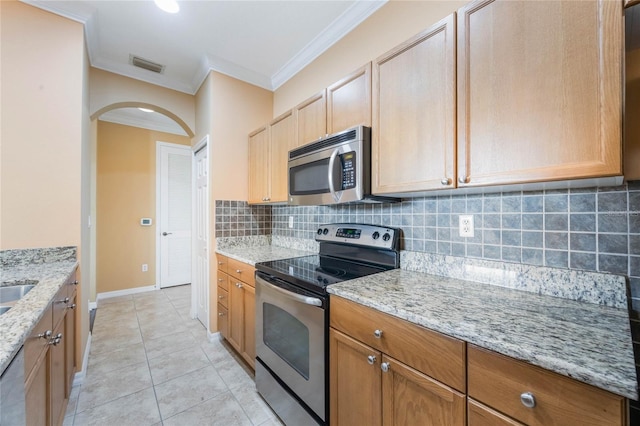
(111, 400)
(242, 407)
(198, 403)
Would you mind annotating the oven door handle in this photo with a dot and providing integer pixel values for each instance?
(297, 297)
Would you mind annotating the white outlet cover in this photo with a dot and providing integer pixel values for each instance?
(465, 225)
(290, 221)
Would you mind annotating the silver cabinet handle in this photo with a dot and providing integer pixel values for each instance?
(220, 280)
(371, 359)
(46, 334)
(377, 334)
(56, 340)
(220, 297)
(528, 400)
(238, 271)
(463, 179)
(65, 300)
(220, 314)
(385, 366)
(220, 263)
(75, 282)
(72, 306)
(164, 234)
(239, 285)
(445, 181)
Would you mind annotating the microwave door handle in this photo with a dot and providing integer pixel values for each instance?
(297, 297)
(332, 161)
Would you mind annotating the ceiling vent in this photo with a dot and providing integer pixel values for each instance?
(146, 64)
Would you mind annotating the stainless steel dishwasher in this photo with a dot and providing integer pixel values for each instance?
(12, 399)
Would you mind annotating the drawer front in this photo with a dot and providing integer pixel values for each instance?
(480, 415)
(434, 354)
(223, 280)
(34, 345)
(59, 304)
(223, 297)
(499, 381)
(223, 262)
(242, 271)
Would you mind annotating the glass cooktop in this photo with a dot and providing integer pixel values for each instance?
(316, 272)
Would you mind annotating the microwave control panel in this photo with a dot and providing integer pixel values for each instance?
(348, 170)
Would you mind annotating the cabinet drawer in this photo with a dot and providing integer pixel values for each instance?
(499, 381)
(432, 353)
(34, 344)
(223, 297)
(59, 305)
(223, 262)
(242, 271)
(480, 415)
(223, 321)
(223, 280)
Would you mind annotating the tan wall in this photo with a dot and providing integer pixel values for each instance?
(126, 188)
(632, 114)
(109, 89)
(227, 110)
(389, 26)
(41, 127)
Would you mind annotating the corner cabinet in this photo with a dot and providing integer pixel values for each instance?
(539, 91)
(384, 370)
(413, 137)
(236, 306)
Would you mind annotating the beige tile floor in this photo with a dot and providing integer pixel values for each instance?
(151, 364)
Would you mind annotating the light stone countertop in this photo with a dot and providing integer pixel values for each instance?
(50, 268)
(588, 342)
(259, 249)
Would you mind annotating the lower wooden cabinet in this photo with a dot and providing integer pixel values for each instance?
(236, 306)
(50, 360)
(369, 387)
(481, 415)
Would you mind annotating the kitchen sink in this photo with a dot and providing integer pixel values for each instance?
(15, 292)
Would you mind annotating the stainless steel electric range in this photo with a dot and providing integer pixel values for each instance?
(292, 316)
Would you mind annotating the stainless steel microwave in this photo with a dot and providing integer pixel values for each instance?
(333, 170)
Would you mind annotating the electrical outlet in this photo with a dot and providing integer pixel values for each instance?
(145, 267)
(290, 221)
(466, 226)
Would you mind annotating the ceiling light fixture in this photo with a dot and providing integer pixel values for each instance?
(169, 6)
(145, 109)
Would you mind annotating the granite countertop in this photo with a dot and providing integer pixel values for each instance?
(256, 250)
(586, 341)
(50, 268)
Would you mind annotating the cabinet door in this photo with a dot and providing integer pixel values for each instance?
(355, 382)
(236, 315)
(37, 392)
(413, 136)
(412, 398)
(282, 140)
(349, 101)
(480, 415)
(223, 321)
(70, 343)
(249, 299)
(311, 119)
(259, 166)
(539, 91)
(57, 376)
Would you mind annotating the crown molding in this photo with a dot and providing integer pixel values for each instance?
(339, 28)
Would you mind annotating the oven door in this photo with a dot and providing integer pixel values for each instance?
(290, 338)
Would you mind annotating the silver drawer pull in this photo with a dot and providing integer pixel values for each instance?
(385, 366)
(238, 271)
(528, 400)
(377, 334)
(371, 359)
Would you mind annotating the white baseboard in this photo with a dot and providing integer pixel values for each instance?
(214, 337)
(78, 378)
(127, 292)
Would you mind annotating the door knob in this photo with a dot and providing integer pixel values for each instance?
(164, 234)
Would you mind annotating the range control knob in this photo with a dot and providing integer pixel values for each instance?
(319, 231)
(325, 231)
(386, 236)
(375, 235)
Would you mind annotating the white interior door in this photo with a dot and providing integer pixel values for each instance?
(174, 223)
(200, 284)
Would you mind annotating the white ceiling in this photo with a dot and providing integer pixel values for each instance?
(261, 42)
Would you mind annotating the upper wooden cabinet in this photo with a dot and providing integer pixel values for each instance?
(311, 119)
(539, 91)
(282, 140)
(259, 166)
(349, 101)
(413, 136)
